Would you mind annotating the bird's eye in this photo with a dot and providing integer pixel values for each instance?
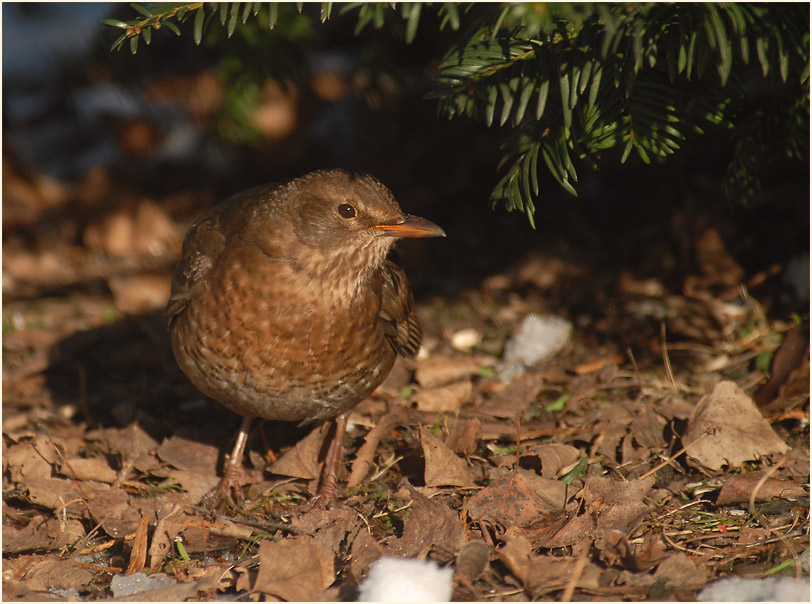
(345, 210)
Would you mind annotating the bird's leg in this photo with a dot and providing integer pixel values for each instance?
(233, 472)
(328, 488)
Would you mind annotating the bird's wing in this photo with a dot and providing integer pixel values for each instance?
(203, 244)
(397, 311)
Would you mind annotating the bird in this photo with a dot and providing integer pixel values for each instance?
(288, 305)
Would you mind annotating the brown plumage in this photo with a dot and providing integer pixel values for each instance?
(284, 305)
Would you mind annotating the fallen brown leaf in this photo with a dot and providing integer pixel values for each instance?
(601, 492)
(52, 573)
(138, 556)
(41, 533)
(555, 457)
(112, 509)
(576, 530)
(472, 560)
(136, 294)
(184, 452)
(294, 570)
(463, 435)
(517, 499)
(514, 397)
(619, 519)
(682, 572)
(91, 468)
(542, 574)
(445, 398)
(25, 462)
(363, 552)
(430, 525)
(726, 428)
(169, 525)
(647, 428)
(437, 371)
(302, 461)
(443, 466)
(739, 487)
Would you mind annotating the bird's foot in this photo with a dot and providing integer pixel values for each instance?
(229, 489)
(323, 499)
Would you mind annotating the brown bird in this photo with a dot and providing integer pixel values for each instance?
(285, 306)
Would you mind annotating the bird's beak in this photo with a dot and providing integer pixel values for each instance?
(412, 226)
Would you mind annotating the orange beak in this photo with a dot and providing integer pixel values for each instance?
(412, 226)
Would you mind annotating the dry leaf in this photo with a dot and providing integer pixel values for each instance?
(41, 534)
(576, 530)
(186, 453)
(517, 554)
(601, 492)
(55, 573)
(726, 427)
(25, 462)
(647, 428)
(364, 551)
(520, 498)
(541, 574)
(789, 356)
(437, 371)
(444, 399)
(302, 461)
(739, 487)
(715, 260)
(515, 397)
(473, 560)
(131, 442)
(682, 572)
(57, 494)
(555, 457)
(138, 556)
(92, 468)
(112, 509)
(430, 525)
(623, 518)
(463, 436)
(295, 570)
(674, 407)
(443, 466)
(169, 526)
(541, 531)
(329, 528)
(137, 294)
(143, 229)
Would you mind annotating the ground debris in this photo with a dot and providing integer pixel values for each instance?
(631, 465)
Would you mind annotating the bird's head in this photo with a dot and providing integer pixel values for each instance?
(351, 218)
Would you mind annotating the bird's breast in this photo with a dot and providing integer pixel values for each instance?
(266, 339)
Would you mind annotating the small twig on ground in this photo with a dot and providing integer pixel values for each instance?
(366, 453)
(636, 369)
(667, 360)
(757, 488)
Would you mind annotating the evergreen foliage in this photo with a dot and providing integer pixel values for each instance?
(573, 81)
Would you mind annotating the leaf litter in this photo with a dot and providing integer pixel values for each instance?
(639, 463)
